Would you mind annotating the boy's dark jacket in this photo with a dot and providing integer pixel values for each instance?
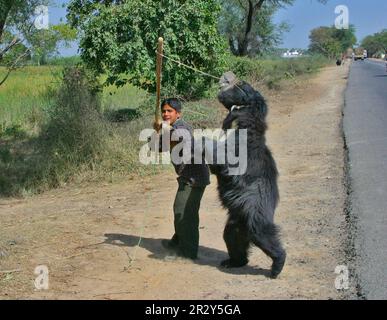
(197, 175)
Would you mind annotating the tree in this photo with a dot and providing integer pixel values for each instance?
(118, 38)
(330, 41)
(322, 42)
(45, 43)
(376, 43)
(264, 34)
(244, 17)
(371, 44)
(17, 50)
(246, 13)
(5, 8)
(346, 37)
(382, 37)
(16, 16)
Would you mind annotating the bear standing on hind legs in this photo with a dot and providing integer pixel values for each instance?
(250, 198)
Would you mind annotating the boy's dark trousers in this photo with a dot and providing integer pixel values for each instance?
(186, 218)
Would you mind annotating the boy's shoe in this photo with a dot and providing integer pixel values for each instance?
(169, 244)
(175, 255)
(174, 252)
(171, 256)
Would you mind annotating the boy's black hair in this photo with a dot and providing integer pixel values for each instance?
(173, 103)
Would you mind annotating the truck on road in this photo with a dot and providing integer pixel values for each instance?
(360, 54)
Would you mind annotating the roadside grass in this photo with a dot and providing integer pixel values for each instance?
(271, 73)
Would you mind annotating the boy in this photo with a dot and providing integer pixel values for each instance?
(192, 181)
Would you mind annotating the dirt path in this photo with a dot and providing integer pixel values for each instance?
(88, 236)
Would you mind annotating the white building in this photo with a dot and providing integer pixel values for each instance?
(292, 54)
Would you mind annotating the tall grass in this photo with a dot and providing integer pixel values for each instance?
(127, 96)
(26, 95)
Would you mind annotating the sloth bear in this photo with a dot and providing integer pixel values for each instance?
(250, 198)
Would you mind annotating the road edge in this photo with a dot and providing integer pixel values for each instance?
(351, 220)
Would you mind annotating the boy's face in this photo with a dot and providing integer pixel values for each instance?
(169, 114)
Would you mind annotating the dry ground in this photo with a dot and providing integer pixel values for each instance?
(88, 236)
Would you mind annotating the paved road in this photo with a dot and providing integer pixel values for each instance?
(365, 128)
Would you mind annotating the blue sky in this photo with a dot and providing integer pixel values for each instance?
(367, 16)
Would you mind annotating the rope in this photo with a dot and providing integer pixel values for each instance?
(179, 63)
(187, 66)
(132, 257)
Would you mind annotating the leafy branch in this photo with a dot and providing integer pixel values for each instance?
(14, 65)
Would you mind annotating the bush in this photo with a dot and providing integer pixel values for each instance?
(272, 72)
(244, 66)
(76, 132)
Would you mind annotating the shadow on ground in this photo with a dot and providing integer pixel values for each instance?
(207, 256)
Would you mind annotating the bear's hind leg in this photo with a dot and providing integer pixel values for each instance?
(268, 241)
(236, 237)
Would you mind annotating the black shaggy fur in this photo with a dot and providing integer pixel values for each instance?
(251, 198)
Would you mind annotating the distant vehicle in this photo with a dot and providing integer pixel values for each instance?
(359, 54)
(365, 54)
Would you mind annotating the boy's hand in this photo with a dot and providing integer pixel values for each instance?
(157, 126)
(161, 125)
(166, 125)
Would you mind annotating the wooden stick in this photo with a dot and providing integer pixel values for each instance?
(159, 63)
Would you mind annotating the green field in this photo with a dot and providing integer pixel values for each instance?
(25, 95)
(29, 93)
